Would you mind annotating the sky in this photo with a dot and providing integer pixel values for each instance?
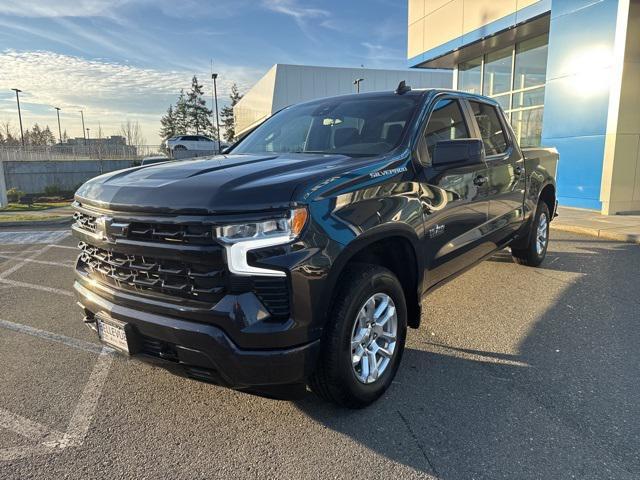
(120, 60)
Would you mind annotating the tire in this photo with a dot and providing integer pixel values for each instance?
(533, 254)
(336, 378)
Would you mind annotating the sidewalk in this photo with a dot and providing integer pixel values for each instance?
(624, 228)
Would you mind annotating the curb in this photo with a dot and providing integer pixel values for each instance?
(605, 234)
(38, 223)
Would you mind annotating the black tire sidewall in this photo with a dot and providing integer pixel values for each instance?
(381, 281)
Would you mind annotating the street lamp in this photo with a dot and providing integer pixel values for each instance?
(17, 90)
(83, 135)
(356, 82)
(59, 129)
(214, 77)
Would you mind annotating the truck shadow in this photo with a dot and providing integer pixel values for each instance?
(566, 404)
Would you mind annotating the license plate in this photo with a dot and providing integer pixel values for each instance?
(112, 332)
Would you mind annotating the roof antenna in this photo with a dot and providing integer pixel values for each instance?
(403, 88)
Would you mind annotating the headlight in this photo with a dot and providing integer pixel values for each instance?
(241, 238)
(284, 229)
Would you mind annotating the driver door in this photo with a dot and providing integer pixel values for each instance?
(455, 196)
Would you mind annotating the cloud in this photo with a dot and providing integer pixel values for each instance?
(291, 8)
(107, 91)
(59, 8)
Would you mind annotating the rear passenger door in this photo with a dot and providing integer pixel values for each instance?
(506, 171)
(454, 197)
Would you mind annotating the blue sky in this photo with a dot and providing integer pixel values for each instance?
(127, 59)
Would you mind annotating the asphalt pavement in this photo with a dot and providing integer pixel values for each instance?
(516, 372)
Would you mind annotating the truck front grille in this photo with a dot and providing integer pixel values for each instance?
(148, 274)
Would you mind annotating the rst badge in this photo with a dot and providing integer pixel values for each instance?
(436, 230)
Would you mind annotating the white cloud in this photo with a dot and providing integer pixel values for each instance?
(108, 92)
(291, 8)
(58, 8)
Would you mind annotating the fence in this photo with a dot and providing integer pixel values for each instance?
(95, 151)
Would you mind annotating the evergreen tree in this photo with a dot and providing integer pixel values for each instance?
(1, 139)
(65, 137)
(168, 127)
(199, 116)
(226, 115)
(47, 137)
(181, 114)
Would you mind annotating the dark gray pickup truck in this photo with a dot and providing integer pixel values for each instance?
(301, 256)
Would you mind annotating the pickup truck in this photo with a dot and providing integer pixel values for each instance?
(300, 256)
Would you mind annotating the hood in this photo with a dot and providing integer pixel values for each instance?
(227, 183)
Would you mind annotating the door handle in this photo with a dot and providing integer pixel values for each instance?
(480, 180)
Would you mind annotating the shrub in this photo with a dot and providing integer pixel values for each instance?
(52, 190)
(14, 195)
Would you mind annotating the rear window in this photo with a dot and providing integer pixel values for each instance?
(491, 129)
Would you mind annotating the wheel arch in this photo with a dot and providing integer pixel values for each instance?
(394, 247)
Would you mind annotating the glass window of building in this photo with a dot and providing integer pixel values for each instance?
(514, 77)
(470, 76)
(497, 72)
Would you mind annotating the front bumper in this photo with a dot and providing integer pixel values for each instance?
(204, 351)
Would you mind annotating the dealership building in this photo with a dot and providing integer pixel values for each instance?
(567, 72)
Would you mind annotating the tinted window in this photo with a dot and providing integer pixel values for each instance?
(445, 123)
(369, 125)
(491, 131)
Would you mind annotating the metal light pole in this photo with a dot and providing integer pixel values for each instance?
(83, 135)
(85, 140)
(356, 82)
(214, 77)
(59, 129)
(17, 90)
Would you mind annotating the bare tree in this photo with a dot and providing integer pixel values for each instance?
(132, 132)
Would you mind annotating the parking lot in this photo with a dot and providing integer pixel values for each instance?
(515, 373)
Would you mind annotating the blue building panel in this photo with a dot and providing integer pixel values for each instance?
(579, 170)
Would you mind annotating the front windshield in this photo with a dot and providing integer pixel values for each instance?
(354, 126)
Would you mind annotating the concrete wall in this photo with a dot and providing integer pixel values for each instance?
(285, 85)
(35, 176)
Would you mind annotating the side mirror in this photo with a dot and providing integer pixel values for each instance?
(465, 151)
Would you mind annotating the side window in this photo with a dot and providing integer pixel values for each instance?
(445, 123)
(491, 130)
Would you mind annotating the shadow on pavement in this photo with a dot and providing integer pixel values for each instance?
(567, 405)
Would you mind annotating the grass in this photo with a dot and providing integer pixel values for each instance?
(19, 207)
(30, 218)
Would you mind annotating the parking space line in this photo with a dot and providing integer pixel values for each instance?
(55, 337)
(32, 236)
(15, 283)
(25, 427)
(63, 246)
(41, 262)
(23, 261)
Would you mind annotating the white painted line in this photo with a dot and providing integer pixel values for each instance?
(15, 283)
(25, 427)
(64, 246)
(41, 262)
(33, 236)
(78, 425)
(83, 414)
(55, 337)
(22, 262)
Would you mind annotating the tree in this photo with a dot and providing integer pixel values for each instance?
(132, 132)
(226, 114)
(199, 116)
(168, 126)
(65, 137)
(10, 139)
(182, 114)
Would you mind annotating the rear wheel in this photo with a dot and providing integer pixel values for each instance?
(364, 338)
(533, 254)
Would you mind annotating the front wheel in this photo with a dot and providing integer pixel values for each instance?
(364, 338)
(533, 254)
